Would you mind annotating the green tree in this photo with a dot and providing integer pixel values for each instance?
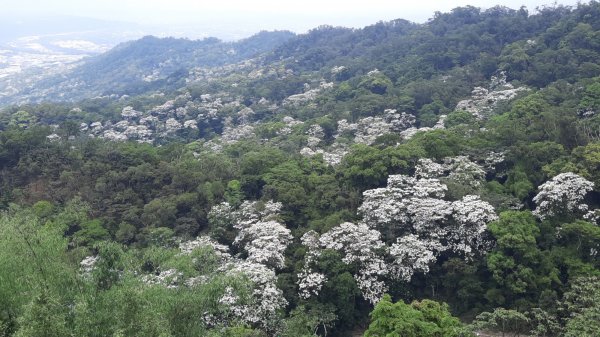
(45, 315)
(304, 322)
(43, 209)
(506, 322)
(518, 266)
(419, 319)
(233, 193)
(22, 119)
(581, 306)
(37, 280)
(90, 233)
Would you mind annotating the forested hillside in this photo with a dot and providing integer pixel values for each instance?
(437, 179)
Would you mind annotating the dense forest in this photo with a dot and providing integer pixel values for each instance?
(437, 179)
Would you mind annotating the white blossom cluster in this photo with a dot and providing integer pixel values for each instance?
(562, 194)
(459, 169)
(87, 265)
(315, 135)
(411, 212)
(263, 238)
(593, 216)
(308, 96)
(365, 131)
(166, 119)
(333, 156)
(359, 245)
(245, 115)
(410, 254)
(357, 242)
(221, 215)
(163, 108)
(290, 123)
(170, 278)
(266, 300)
(493, 159)
(471, 216)
(464, 171)
(337, 69)
(96, 127)
(222, 251)
(310, 283)
(172, 125)
(251, 212)
(298, 99)
(265, 242)
(484, 101)
(427, 168)
(232, 135)
(53, 137)
(404, 202)
(190, 124)
(368, 129)
(412, 131)
(260, 235)
(411, 205)
(114, 135)
(130, 112)
(266, 104)
(373, 72)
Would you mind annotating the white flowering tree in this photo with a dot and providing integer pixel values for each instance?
(464, 171)
(245, 290)
(358, 245)
(260, 235)
(266, 299)
(417, 225)
(563, 196)
(416, 206)
(241, 289)
(460, 170)
(265, 242)
(410, 254)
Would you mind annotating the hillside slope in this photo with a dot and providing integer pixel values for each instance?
(387, 179)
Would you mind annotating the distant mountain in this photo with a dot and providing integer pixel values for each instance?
(479, 42)
(137, 66)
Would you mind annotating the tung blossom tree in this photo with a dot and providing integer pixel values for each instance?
(459, 169)
(265, 242)
(260, 235)
(266, 299)
(260, 304)
(245, 285)
(416, 206)
(563, 195)
(411, 254)
(359, 245)
(405, 227)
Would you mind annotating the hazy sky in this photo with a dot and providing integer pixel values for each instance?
(255, 15)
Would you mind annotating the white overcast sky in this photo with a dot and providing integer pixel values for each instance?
(299, 15)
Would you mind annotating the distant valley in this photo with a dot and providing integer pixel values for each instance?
(32, 49)
(38, 67)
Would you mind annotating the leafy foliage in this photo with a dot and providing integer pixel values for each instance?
(327, 168)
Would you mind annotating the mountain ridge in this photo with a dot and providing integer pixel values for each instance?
(136, 63)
